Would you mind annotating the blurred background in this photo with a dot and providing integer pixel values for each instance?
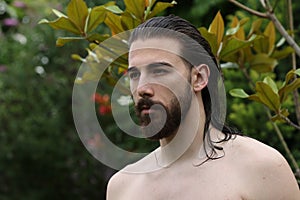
(41, 155)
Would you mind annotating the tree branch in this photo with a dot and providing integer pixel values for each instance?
(289, 122)
(284, 33)
(270, 15)
(294, 60)
(285, 146)
(254, 12)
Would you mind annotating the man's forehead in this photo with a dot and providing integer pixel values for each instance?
(162, 44)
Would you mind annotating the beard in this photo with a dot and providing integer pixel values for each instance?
(152, 122)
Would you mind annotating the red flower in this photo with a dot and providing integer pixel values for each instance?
(97, 98)
(104, 109)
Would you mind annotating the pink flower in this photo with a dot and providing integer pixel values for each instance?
(10, 22)
(3, 68)
(19, 4)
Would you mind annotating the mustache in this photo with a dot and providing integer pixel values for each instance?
(146, 103)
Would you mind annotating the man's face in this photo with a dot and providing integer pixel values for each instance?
(159, 81)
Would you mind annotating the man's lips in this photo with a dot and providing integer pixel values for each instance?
(145, 110)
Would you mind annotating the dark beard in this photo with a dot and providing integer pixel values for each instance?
(173, 116)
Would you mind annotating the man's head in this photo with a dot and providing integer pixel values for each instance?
(193, 49)
(155, 70)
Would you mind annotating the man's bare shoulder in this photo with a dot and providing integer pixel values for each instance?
(126, 177)
(264, 169)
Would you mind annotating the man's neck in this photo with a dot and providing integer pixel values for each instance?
(188, 140)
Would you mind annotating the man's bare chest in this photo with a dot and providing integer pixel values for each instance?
(194, 184)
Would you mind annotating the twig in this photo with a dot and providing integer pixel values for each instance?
(294, 61)
(284, 33)
(289, 121)
(285, 146)
(254, 12)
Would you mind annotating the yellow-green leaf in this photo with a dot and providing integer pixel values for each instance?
(113, 21)
(63, 23)
(267, 96)
(277, 117)
(96, 17)
(261, 45)
(237, 28)
(217, 27)
(263, 63)
(97, 38)
(159, 7)
(255, 27)
(280, 54)
(211, 39)
(271, 83)
(128, 22)
(238, 93)
(63, 40)
(58, 13)
(284, 91)
(136, 7)
(77, 12)
(114, 9)
(270, 33)
(291, 74)
(233, 45)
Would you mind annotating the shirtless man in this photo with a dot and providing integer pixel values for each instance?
(197, 158)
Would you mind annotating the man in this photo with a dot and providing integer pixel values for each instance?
(175, 85)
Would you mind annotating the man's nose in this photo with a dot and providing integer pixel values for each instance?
(145, 90)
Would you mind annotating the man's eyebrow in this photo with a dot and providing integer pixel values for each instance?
(133, 68)
(154, 64)
(159, 64)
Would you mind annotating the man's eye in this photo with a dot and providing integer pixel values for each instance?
(134, 75)
(159, 71)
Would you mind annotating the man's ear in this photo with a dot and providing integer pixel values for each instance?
(200, 75)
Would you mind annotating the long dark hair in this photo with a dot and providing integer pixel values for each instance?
(195, 51)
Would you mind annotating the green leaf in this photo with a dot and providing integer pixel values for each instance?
(291, 74)
(255, 97)
(77, 57)
(58, 13)
(237, 28)
(261, 45)
(271, 83)
(61, 41)
(238, 93)
(159, 7)
(277, 117)
(128, 22)
(77, 12)
(217, 27)
(113, 21)
(114, 9)
(263, 63)
(97, 38)
(297, 72)
(136, 7)
(63, 23)
(284, 91)
(267, 96)
(270, 33)
(280, 54)
(233, 45)
(96, 17)
(255, 27)
(211, 38)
